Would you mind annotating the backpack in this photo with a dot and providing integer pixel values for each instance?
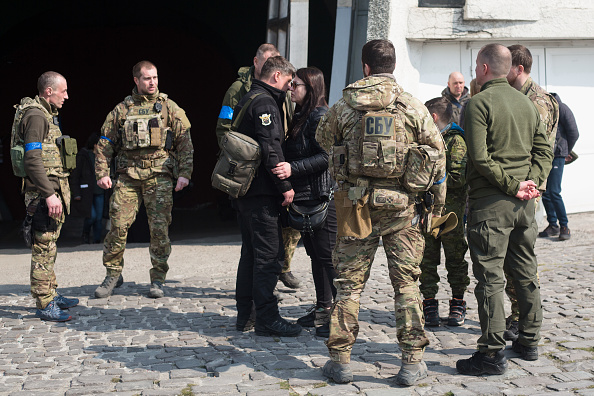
(238, 161)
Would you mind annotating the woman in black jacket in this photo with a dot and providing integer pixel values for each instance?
(306, 167)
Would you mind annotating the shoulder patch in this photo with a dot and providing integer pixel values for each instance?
(265, 119)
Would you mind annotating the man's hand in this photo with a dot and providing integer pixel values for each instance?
(104, 182)
(54, 206)
(528, 190)
(288, 197)
(282, 170)
(182, 182)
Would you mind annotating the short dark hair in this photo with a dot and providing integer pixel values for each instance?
(440, 106)
(276, 63)
(266, 47)
(497, 57)
(380, 56)
(48, 79)
(521, 56)
(140, 65)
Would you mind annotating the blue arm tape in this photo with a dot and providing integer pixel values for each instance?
(441, 181)
(33, 146)
(226, 113)
(106, 138)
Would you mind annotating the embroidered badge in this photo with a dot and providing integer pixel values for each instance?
(265, 119)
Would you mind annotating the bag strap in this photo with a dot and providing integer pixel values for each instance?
(239, 118)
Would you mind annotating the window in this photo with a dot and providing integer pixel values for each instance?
(442, 3)
(278, 25)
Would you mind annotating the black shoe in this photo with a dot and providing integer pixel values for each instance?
(481, 363)
(316, 316)
(289, 280)
(279, 327)
(86, 239)
(551, 230)
(246, 323)
(431, 312)
(526, 352)
(323, 330)
(564, 233)
(511, 329)
(457, 312)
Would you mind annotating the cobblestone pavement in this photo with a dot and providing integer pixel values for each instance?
(186, 344)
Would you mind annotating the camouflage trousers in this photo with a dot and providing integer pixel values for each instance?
(43, 258)
(291, 238)
(455, 248)
(157, 194)
(353, 258)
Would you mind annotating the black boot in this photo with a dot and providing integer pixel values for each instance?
(431, 312)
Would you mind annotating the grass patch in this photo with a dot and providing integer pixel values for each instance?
(187, 391)
(115, 380)
(285, 385)
(448, 394)
(422, 385)
(589, 349)
(320, 385)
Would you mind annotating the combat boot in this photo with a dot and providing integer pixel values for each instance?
(526, 352)
(483, 363)
(431, 312)
(53, 313)
(338, 372)
(109, 283)
(289, 280)
(457, 312)
(512, 329)
(65, 303)
(411, 372)
(156, 290)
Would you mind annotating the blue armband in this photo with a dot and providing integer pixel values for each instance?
(33, 146)
(106, 138)
(226, 113)
(442, 180)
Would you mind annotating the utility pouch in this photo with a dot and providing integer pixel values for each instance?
(339, 164)
(387, 199)
(354, 219)
(41, 219)
(157, 134)
(68, 151)
(169, 140)
(421, 167)
(27, 230)
(17, 157)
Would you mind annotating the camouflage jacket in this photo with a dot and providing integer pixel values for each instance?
(547, 107)
(143, 163)
(236, 91)
(341, 124)
(456, 158)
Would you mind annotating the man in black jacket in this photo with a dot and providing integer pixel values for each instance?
(259, 209)
(567, 135)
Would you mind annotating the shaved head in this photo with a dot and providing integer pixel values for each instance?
(498, 57)
(456, 84)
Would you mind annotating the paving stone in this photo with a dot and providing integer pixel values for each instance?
(571, 385)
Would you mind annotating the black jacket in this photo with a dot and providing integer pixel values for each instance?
(567, 131)
(310, 177)
(264, 122)
(83, 183)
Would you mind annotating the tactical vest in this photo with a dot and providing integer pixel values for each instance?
(144, 135)
(50, 152)
(145, 125)
(380, 147)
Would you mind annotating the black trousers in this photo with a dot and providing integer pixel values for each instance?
(262, 256)
(319, 247)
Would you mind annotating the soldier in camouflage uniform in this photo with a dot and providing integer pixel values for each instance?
(548, 108)
(454, 243)
(149, 135)
(236, 91)
(343, 132)
(47, 193)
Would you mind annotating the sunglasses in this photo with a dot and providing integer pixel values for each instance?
(295, 84)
